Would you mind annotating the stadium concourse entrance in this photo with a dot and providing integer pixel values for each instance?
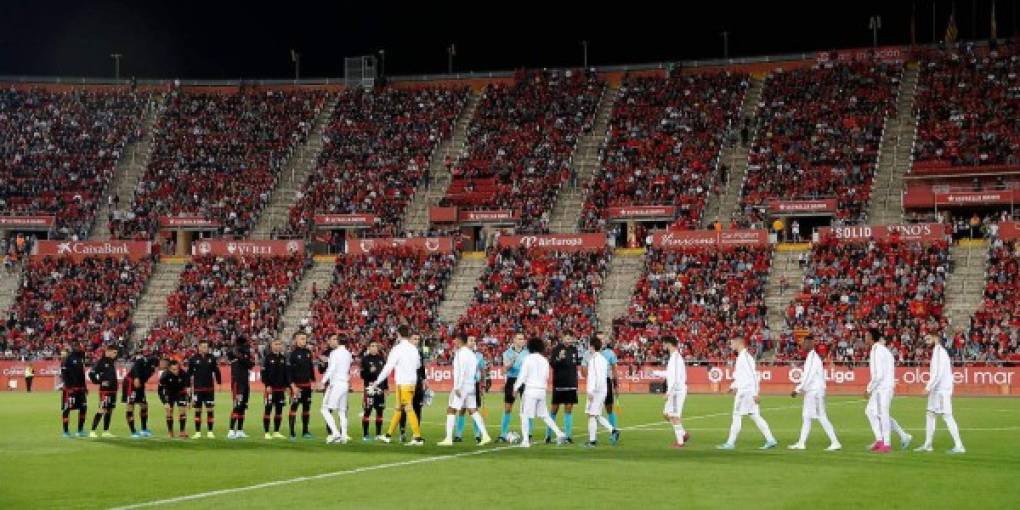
(632, 233)
(479, 236)
(332, 239)
(177, 241)
(798, 228)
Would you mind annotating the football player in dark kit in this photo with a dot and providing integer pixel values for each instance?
(564, 359)
(241, 363)
(276, 379)
(173, 391)
(204, 373)
(133, 392)
(302, 377)
(372, 362)
(74, 395)
(104, 373)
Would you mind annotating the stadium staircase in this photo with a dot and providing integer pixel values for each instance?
(567, 212)
(725, 206)
(152, 306)
(784, 265)
(293, 177)
(321, 275)
(625, 270)
(965, 284)
(416, 216)
(461, 288)
(9, 290)
(894, 159)
(129, 171)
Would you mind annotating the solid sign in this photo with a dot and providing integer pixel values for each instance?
(426, 244)
(248, 248)
(77, 250)
(345, 220)
(642, 212)
(677, 239)
(555, 242)
(196, 222)
(925, 232)
(28, 222)
(794, 207)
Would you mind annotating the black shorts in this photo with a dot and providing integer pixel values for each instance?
(509, 397)
(204, 398)
(419, 397)
(377, 401)
(74, 399)
(135, 397)
(239, 394)
(564, 396)
(107, 399)
(609, 392)
(275, 397)
(303, 396)
(180, 401)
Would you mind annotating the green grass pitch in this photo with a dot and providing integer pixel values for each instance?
(40, 469)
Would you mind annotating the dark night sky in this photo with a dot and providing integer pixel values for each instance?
(214, 39)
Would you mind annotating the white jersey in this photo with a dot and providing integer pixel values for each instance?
(883, 368)
(339, 370)
(940, 371)
(598, 374)
(812, 377)
(676, 373)
(534, 374)
(405, 361)
(745, 377)
(465, 367)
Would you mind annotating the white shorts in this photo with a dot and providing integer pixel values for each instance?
(336, 397)
(596, 401)
(879, 403)
(744, 404)
(533, 404)
(814, 405)
(674, 407)
(940, 402)
(468, 399)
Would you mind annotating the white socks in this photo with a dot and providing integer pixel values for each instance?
(552, 426)
(477, 418)
(929, 429)
(330, 422)
(734, 429)
(593, 426)
(678, 431)
(899, 430)
(451, 420)
(805, 430)
(763, 426)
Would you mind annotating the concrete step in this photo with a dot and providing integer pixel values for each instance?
(618, 289)
(465, 275)
(152, 305)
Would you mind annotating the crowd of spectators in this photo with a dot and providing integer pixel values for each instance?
(59, 151)
(377, 150)
(521, 141)
(218, 156)
(665, 138)
(994, 331)
(221, 299)
(817, 136)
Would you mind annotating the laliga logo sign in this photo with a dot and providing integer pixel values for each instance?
(831, 375)
(715, 375)
(431, 244)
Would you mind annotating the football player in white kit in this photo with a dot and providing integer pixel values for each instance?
(597, 389)
(337, 383)
(463, 394)
(745, 402)
(880, 394)
(812, 386)
(676, 391)
(534, 378)
(940, 394)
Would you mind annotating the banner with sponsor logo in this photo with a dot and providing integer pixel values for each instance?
(28, 222)
(555, 242)
(188, 222)
(638, 212)
(442, 214)
(1009, 230)
(884, 54)
(345, 220)
(841, 380)
(496, 216)
(77, 250)
(795, 207)
(426, 244)
(677, 239)
(921, 232)
(1003, 197)
(248, 248)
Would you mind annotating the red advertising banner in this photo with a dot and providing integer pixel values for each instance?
(922, 232)
(426, 244)
(976, 197)
(442, 214)
(496, 216)
(28, 222)
(826, 205)
(1009, 230)
(885, 54)
(942, 167)
(345, 220)
(677, 239)
(77, 250)
(555, 242)
(187, 222)
(969, 380)
(635, 212)
(248, 248)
